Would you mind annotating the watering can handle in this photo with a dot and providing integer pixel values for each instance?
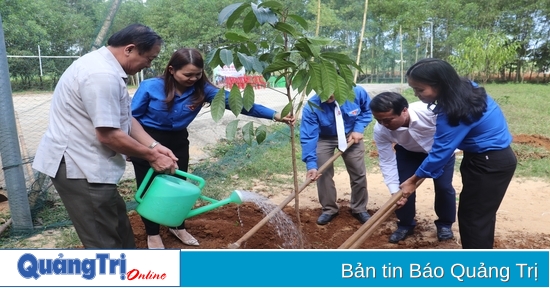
(148, 178)
(192, 177)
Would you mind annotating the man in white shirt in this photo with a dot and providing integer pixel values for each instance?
(404, 136)
(90, 131)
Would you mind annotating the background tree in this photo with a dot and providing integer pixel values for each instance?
(482, 57)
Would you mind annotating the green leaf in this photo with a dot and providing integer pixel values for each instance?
(347, 74)
(258, 66)
(303, 84)
(282, 56)
(235, 100)
(279, 65)
(249, 22)
(311, 50)
(227, 57)
(252, 47)
(213, 58)
(315, 81)
(237, 63)
(231, 13)
(248, 97)
(247, 61)
(248, 132)
(328, 79)
(264, 15)
(261, 134)
(343, 91)
(339, 58)
(301, 21)
(231, 129)
(218, 105)
(287, 28)
(243, 48)
(298, 79)
(272, 5)
(317, 41)
(287, 109)
(232, 36)
(236, 14)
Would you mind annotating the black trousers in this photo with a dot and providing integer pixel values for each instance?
(445, 194)
(485, 178)
(97, 211)
(178, 142)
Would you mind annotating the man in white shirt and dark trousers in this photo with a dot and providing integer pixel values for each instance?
(409, 130)
(90, 132)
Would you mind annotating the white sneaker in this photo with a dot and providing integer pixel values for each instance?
(184, 237)
(154, 242)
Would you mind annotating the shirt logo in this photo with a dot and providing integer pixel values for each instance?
(191, 107)
(354, 112)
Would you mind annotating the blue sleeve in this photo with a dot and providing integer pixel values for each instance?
(446, 140)
(140, 101)
(309, 135)
(257, 110)
(365, 117)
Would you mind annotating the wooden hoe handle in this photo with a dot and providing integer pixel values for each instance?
(260, 224)
(366, 230)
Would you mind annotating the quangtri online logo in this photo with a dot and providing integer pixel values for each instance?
(94, 267)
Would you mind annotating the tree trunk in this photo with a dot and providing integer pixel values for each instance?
(318, 18)
(106, 25)
(361, 39)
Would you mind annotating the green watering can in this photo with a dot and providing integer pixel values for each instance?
(169, 200)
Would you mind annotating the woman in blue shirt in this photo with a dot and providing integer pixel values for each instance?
(470, 120)
(165, 106)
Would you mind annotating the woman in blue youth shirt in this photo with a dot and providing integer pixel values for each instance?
(165, 106)
(470, 120)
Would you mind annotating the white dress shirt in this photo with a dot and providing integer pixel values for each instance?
(91, 93)
(418, 137)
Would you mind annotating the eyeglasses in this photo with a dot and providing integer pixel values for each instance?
(386, 121)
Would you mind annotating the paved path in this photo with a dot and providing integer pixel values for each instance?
(32, 118)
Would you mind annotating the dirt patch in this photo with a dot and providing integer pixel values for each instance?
(537, 141)
(516, 229)
(219, 228)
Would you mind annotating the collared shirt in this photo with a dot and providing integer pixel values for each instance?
(488, 133)
(149, 108)
(417, 137)
(320, 122)
(91, 93)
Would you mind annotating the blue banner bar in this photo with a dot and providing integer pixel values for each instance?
(364, 268)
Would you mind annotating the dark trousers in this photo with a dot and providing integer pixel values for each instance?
(97, 211)
(178, 142)
(485, 178)
(445, 195)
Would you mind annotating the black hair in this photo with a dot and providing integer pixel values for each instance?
(456, 96)
(140, 35)
(386, 101)
(183, 57)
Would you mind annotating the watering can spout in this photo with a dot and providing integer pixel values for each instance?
(235, 197)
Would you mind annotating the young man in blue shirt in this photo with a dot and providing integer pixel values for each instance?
(318, 137)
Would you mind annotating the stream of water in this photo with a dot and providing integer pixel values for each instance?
(286, 229)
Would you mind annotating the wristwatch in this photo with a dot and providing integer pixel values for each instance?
(155, 143)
